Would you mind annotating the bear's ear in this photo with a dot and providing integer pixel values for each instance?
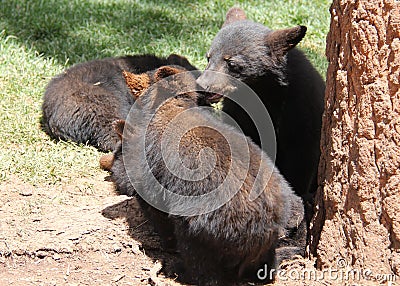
(166, 71)
(137, 83)
(234, 14)
(174, 59)
(281, 41)
(118, 126)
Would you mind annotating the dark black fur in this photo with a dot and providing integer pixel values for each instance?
(287, 84)
(233, 241)
(81, 103)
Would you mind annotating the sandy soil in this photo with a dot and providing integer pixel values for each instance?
(85, 234)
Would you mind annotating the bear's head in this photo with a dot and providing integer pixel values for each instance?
(248, 51)
(172, 84)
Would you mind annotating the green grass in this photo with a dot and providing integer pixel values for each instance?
(40, 38)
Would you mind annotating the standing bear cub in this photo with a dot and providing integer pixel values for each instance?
(173, 152)
(81, 103)
(285, 81)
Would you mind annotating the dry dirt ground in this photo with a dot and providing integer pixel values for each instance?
(85, 234)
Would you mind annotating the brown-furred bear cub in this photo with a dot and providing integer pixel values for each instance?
(178, 151)
(81, 103)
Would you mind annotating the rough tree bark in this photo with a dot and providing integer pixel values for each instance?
(358, 200)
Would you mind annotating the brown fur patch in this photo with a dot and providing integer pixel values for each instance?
(118, 126)
(137, 83)
(106, 162)
(166, 71)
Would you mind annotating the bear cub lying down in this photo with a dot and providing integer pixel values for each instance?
(81, 103)
(221, 238)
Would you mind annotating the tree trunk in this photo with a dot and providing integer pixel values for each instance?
(357, 217)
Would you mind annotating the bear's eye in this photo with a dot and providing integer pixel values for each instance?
(232, 65)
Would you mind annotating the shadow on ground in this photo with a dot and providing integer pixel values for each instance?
(142, 230)
(75, 31)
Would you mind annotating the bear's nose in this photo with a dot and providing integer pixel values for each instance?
(204, 81)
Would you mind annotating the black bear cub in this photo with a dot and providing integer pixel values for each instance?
(285, 81)
(245, 205)
(81, 103)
